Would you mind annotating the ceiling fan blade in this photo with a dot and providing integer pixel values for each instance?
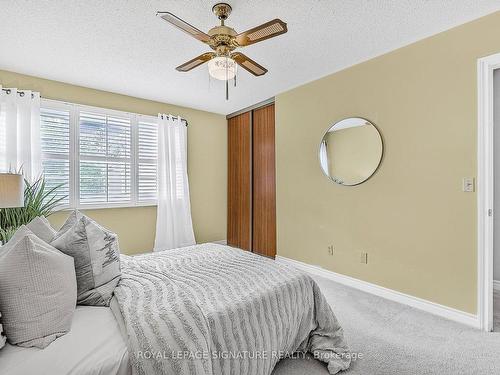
(197, 61)
(184, 26)
(265, 31)
(248, 64)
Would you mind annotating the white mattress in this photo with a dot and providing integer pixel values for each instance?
(94, 346)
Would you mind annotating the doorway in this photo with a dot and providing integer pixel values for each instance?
(496, 200)
(488, 178)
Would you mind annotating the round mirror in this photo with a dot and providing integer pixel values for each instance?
(350, 151)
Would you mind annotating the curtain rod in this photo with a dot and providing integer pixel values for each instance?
(182, 119)
(20, 93)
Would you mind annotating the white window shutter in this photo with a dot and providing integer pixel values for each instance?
(55, 143)
(147, 160)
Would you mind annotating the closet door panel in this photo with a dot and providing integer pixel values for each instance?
(264, 182)
(239, 205)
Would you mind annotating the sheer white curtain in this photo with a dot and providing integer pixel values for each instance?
(20, 132)
(174, 227)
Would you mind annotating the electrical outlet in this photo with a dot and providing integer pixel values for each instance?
(364, 258)
(330, 250)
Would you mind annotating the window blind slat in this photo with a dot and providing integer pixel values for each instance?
(147, 161)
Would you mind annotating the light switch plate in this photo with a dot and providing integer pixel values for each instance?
(468, 184)
(364, 258)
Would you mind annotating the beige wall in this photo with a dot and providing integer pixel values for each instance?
(207, 163)
(412, 218)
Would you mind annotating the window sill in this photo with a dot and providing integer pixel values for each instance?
(106, 207)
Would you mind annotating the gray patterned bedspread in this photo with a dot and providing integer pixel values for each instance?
(212, 309)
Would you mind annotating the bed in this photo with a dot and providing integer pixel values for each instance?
(94, 346)
(206, 309)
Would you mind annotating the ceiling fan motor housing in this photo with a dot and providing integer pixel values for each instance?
(222, 40)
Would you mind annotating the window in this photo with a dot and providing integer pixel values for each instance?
(104, 158)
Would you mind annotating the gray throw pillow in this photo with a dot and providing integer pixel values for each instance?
(73, 217)
(37, 290)
(41, 227)
(97, 258)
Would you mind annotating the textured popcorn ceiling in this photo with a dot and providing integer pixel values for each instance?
(121, 46)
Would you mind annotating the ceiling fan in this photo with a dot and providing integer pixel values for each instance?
(224, 40)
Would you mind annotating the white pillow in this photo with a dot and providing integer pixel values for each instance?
(97, 258)
(37, 290)
(41, 227)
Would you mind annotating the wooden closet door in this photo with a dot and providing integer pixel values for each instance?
(239, 205)
(264, 182)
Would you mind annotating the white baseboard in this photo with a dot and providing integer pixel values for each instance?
(496, 285)
(418, 303)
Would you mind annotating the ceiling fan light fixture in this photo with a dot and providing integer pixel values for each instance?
(224, 40)
(222, 68)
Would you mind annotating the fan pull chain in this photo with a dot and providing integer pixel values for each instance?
(227, 81)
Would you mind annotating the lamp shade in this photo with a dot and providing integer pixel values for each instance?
(222, 68)
(11, 190)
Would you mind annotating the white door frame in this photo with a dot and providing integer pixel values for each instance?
(485, 179)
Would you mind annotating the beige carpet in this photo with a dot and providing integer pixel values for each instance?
(397, 339)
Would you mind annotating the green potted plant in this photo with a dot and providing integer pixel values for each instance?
(39, 200)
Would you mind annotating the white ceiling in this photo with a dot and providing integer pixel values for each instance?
(121, 46)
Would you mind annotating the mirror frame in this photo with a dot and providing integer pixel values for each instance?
(381, 155)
